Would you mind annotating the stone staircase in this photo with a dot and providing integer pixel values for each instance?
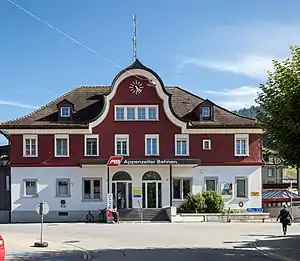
(138, 215)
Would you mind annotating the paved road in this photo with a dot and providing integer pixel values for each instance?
(177, 242)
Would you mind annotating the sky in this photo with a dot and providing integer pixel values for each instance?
(220, 50)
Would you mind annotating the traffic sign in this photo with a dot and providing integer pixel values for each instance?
(109, 201)
(114, 161)
(42, 208)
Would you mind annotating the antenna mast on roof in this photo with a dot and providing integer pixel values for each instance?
(134, 37)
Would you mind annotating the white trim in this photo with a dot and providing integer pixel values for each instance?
(69, 188)
(91, 136)
(208, 110)
(24, 194)
(209, 144)
(68, 110)
(89, 131)
(182, 137)
(122, 136)
(31, 137)
(136, 107)
(242, 137)
(152, 136)
(246, 187)
(62, 136)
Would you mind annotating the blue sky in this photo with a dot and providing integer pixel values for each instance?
(220, 50)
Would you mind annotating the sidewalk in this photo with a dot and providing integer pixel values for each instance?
(286, 248)
(20, 248)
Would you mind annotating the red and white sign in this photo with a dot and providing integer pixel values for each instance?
(114, 161)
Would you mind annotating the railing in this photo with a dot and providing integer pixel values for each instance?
(141, 214)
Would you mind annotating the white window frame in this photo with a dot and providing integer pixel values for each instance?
(30, 137)
(209, 144)
(24, 188)
(246, 186)
(68, 110)
(91, 136)
(69, 188)
(181, 187)
(206, 109)
(272, 170)
(92, 190)
(241, 137)
(152, 136)
(182, 137)
(122, 136)
(62, 136)
(216, 179)
(125, 107)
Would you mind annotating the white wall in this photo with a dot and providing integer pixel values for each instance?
(224, 174)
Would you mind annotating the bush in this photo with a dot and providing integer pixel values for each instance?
(205, 202)
(194, 203)
(214, 202)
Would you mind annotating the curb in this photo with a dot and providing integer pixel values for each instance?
(269, 254)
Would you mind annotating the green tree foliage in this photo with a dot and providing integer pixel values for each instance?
(205, 202)
(280, 106)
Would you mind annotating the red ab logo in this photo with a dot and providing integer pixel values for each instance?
(114, 161)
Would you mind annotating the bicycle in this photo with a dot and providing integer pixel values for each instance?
(90, 217)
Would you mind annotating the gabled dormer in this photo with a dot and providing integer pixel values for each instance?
(65, 110)
(205, 111)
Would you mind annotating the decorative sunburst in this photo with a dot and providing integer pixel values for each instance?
(136, 87)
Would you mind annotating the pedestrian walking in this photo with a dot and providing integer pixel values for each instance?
(285, 219)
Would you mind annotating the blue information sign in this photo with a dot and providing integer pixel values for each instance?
(255, 209)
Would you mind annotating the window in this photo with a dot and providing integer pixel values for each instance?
(91, 145)
(61, 146)
(65, 111)
(181, 188)
(270, 172)
(211, 183)
(120, 113)
(241, 188)
(206, 112)
(30, 188)
(63, 188)
(207, 144)
(136, 113)
(122, 144)
(242, 145)
(152, 145)
(30, 145)
(92, 189)
(181, 145)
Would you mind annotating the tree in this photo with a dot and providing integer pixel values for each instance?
(279, 103)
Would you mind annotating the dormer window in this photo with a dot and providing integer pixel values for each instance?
(65, 112)
(205, 112)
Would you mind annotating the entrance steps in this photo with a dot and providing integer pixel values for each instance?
(144, 215)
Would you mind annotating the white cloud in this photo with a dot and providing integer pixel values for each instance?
(237, 98)
(16, 104)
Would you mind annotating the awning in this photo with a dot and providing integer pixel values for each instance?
(270, 196)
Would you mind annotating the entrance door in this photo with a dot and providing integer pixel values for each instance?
(151, 190)
(122, 190)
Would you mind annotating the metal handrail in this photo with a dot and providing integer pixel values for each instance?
(140, 211)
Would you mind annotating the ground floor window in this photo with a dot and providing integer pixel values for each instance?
(30, 188)
(241, 187)
(92, 189)
(63, 188)
(211, 184)
(181, 187)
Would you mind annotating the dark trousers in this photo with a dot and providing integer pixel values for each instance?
(284, 225)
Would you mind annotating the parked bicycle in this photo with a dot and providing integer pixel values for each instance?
(91, 218)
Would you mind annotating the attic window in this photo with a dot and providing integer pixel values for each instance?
(65, 112)
(206, 112)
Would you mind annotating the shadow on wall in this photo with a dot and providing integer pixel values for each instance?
(287, 246)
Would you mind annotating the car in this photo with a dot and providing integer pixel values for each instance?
(2, 249)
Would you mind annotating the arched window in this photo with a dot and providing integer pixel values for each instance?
(121, 175)
(151, 175)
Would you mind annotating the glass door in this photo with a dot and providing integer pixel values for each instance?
(151, 194)
(122, 194)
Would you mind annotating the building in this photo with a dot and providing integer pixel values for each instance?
(173, 143)
(272, 172)
(5, 204)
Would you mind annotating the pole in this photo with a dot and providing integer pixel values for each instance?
(292, 198)
(42, 224)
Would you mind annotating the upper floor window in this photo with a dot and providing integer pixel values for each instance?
(122, 144)
(30, 145)
(61, 145)
(181, 144)
(65, 111)
(205, 112)
(136, 113)
(241, 144)
(152, 145)
(206, 144)
(91, 145)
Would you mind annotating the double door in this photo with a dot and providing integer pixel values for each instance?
(152, 194)
(122, 193)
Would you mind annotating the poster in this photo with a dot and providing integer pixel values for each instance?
(137, 192)
(226, 189)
